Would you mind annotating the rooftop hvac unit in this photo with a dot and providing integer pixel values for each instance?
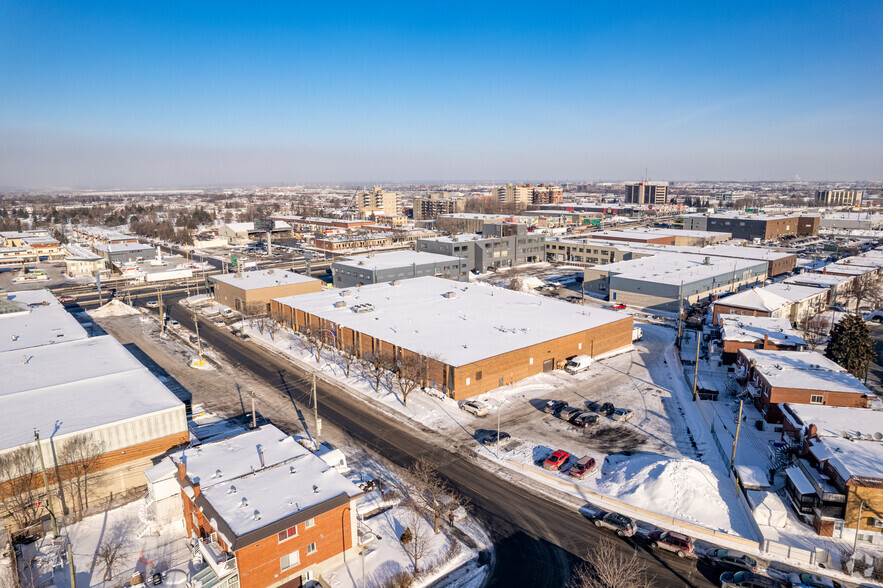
(271, 272)
(450, 294)
(340, 304)
(346, 293)
(363, 308)
(396, 283)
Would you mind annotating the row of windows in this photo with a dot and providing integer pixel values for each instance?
(292, 531)
(292, 560)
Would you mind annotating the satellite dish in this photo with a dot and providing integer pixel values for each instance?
(858, 434)
(878, 436)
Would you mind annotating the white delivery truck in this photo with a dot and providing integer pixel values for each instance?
(578, 364)
(637, 334)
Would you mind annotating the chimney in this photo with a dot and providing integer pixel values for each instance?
(182, 470)
(766, 340)
(195, 490)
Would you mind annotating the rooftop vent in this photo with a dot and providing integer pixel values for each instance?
(271, 272)
(232, 490)
(243, 503)
(396, 283)
(257, 515)
(217, 474)
(340, 304)
(450, 294)
(315, 489)
(346, 292)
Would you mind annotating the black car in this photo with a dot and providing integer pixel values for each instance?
(583, 419)
(733, 561)
(748, 580)
(553, 406)
(492, 439)
(606, 409)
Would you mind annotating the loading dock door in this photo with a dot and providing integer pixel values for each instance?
(548, 365)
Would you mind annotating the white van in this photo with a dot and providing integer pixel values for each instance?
(578, 364)
(637, 334)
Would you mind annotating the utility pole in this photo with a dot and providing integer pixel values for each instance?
(497, 446)
(254, 415)
(696, 365)
(46, 485)
(162, 312)
(736, 438)
(198, 340)
(316, 411)
(680, 310)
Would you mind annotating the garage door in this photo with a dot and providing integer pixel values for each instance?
(548, 365)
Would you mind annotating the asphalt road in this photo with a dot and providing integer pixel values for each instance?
(536, 538)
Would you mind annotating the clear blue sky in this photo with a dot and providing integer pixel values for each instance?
(128, 93)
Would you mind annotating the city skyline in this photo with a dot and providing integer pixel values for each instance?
(119, 95)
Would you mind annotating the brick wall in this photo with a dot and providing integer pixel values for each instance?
(873, 508)
(780, 395)
(720, 309)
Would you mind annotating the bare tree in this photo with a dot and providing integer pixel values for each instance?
(408, 375)
(815, 329)
(432, 493)
(252, 312)
(80, 457)
(612, 567)
(317, 340)
(349, 358)
(416, 538)
(274, 324)
(21, 489)
(866, 287)
(375, 365)
(110, 551)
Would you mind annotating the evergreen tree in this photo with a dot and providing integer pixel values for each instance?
(850, 345)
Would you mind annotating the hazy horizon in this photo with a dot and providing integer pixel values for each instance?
(117, 95)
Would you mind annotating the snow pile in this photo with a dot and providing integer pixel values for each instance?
(681, 488)
(113, 308)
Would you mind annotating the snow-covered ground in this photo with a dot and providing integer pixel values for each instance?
(166, 552)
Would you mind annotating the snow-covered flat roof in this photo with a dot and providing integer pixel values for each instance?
(753, 328)
(37, 323)
(115, 247)
(674, 268)
(477, 322)
(249, 496)
(394, 259)
(792, 360)
(863, 459)
(818, 379)
(848, 269)
(745, 252)
(462, 237)
(793, 292)
(800, 481)
(269, 278)
(816, 280)
(833, 421)
(77, 252)
(756, 299)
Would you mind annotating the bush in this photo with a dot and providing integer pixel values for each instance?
(400, 580)
(406, 536)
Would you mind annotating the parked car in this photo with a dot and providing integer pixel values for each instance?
(622, 414)
(553, 406)
(555, 460)
(64, 299)
(731, 560)
(620, 524)
(578, 364)
(585, 465)
(583, 419)
(807, 580)
(193, 338)
(219, 323)
(174, 323)
(492, 438)
(748, 580)
(617, 306)
(606, 409)
(671, 541)
(475, 408)
(152, 304)
(569, 412)
(228, 312)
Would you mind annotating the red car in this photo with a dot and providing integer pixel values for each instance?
(617, 306)
(556, 460)
(64, 299)
(584, 466)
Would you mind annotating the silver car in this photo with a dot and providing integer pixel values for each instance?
(622, 414)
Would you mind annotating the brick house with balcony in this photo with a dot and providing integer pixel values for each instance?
(837, 481)
(266, 511)
(797, 377)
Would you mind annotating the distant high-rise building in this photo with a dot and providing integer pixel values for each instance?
(647, 192)
(429, 207)
(839, 197)
(379, 202)
(522, 195)
(544, 194)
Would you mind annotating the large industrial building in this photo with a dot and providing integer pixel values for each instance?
(469, 338)
(499, 245)
(64, 384)
(762, 227)
(670, 281)
(248, 290)
(374, 268)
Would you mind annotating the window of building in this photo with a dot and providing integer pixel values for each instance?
(311, 549)
(288, 533)
(478, 376)
(310, 523)
(289, 561)
(816, 399)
